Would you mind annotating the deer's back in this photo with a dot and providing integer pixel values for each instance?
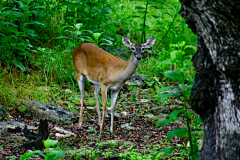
(92, 61)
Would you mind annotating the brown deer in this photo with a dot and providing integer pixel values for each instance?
(102, 68)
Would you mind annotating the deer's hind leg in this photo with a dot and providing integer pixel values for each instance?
(104, 99)
(96, 91)
(81, 83)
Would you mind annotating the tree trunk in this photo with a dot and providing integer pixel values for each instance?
(216, 91)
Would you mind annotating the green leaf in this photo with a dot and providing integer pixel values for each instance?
(166, 151)
(173, 116)
(5, 13)
(166, 62)
(176, 55)
(156, 87)
(188, 91)
(190, 47)
(198, 120)
(9, 23)
(181, 44)
(174, 46)
(55, 154)
(50, 143)
(13, 30)
(133, 98)
(106, 42)
(7, 38)
(140, 7)
(78, 26)
(156, 16)
(174, 75)
(156, 7)
(97, 35)
(134, 16)
(177, 132)
(72, 5)
(62, 37)
(37, 23)
(19, 65)
(163, 122)
(163, 89)
(167, 95)
(108, 36)
(2, 35)
(142, 12)
(29, 154)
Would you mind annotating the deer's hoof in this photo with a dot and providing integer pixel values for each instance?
(80, 128)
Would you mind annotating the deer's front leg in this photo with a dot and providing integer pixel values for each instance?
(104, 99)
(96, 91)
(114, 95)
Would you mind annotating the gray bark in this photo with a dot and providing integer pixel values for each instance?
(216, 91)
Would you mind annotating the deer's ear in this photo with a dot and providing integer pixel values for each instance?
(126, 41)
(149, 43)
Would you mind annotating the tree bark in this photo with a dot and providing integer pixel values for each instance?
(216, 91)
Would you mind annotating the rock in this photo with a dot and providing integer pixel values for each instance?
(175, 107)
(14, 124)
(145, 100)
(159, 110)
(127, 126)
(180, 124)
(65, 132)
(91, 110)
(157, 118)
(50, 112)
(123, 114)
(19, 139)
(136, 80)
(161, 117)
(178, 102)
(44, 88)
(150, 116)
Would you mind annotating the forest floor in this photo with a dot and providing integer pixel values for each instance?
(144, 139)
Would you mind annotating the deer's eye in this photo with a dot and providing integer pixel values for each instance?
(133, 49)
(143, 49)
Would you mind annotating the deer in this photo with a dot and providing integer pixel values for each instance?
(105, 70)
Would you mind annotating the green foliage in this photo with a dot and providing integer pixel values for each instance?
(54, 154)
(133, 96)
(17, 35)
(166, 151)
(56, 28)
(182, 132)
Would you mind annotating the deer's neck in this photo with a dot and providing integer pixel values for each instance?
(129, 68)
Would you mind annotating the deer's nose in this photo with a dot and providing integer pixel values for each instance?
(139, 58)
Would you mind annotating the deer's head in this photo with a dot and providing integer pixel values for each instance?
(138, 50)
